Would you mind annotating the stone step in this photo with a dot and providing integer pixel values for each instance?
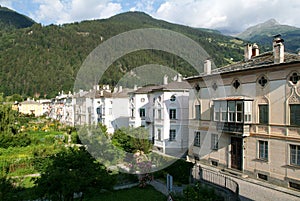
(233, 172)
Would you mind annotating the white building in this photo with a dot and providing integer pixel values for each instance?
(102, 106)
(164, 111)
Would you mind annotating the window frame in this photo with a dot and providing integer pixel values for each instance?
(296, 155)
(197, 139)
(142, 112)
(295, 121)
(263, 150)
(198, 112)
(159, 114)
(231, 113)
(172, 114)
(172, 135)
(260, 116)
(214, 141)
(159, 134)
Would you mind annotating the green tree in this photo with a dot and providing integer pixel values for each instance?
(99, 144)
(132, 140)
(7, 189)
(72, 171)
(8, 119)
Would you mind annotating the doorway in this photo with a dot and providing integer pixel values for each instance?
(236, 153)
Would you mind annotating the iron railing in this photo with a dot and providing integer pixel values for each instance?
(219, 179)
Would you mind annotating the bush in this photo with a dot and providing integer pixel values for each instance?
(198, 192)
(75, 138)
(18, 140)
(180, 170)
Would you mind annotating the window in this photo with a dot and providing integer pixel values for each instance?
(198, 112)
(172, 135)
(231, 111)
(173, 98)
(263, 150)
(236, 84)
(132, 113)
(159, 114)
(239, 111)
(262, 81)
(295, 154)
(217, 111)
(142, 112)
(295, 114)
(197, 139)
(214, 141)
(99, 110)
(159, 134)
(223, 109)
(262, 176)
(247, 111)
(172, 113)
(263, 114)
(294, 78)
(215, 86)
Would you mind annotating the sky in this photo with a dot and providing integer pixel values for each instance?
(233, 15)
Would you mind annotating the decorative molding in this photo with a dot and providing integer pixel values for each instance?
(263, 100)
(295, 97)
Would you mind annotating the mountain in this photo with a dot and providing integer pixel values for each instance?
(42, 60)
(263, 33)
(10, 19)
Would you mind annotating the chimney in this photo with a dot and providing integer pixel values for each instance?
(120, 89)
(278, 49)
(248, 52)
(101, 93)
(179, 78)
(207, 67)
(255, 50)
(135, 87)
(165, 80)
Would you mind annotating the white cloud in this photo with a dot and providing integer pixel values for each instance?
(6, 3)
(65, 11)
(229, 14)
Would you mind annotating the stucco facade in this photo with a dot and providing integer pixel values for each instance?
(249, 117)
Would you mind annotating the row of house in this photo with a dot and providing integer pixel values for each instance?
(243, 117)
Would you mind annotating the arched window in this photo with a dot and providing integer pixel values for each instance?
(173, 98)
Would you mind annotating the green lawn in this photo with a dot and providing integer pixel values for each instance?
(133, 194)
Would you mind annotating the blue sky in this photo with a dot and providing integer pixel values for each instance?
(235, 15)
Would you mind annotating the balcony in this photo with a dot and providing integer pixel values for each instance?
(233, 127)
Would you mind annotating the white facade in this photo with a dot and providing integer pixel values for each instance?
(164, 111)
(102, 106)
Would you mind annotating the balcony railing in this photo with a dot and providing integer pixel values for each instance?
(233, 127)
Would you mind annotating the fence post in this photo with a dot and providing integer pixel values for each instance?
(200, 173)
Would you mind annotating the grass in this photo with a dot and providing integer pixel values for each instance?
(133, 194)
